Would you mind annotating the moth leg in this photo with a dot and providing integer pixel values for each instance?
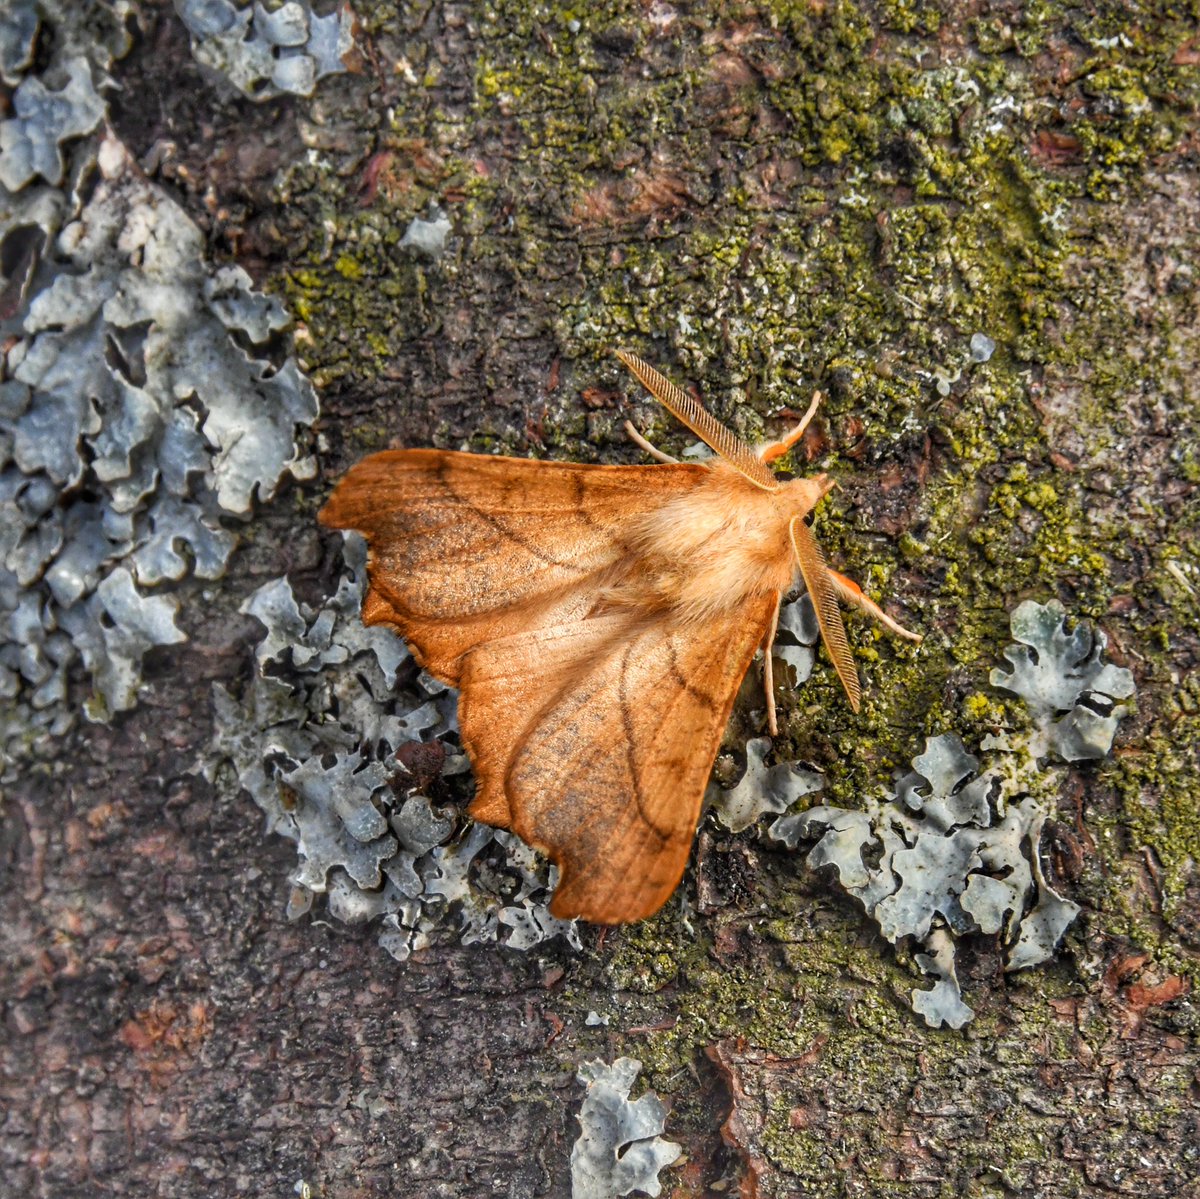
(776, 449)
(642, 443)
(849, 592)
(769, 672)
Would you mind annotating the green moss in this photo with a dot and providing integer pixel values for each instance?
(910, 16)
(1160, 814)
(348, 268)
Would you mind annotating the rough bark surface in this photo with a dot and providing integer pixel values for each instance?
(762, 198)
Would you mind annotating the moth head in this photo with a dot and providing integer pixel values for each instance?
(803, 495)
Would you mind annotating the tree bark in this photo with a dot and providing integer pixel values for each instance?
(763, 199)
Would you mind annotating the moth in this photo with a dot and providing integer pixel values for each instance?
(598, 622)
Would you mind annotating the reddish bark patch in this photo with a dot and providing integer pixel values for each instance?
(657, 193)
(1049, 148)
(1141, 996)
(1188, 55)
(743, 1125)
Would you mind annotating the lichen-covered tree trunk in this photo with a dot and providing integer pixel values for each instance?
(763, 199)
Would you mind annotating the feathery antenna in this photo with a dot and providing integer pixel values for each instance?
(706, 426)
(825, 603)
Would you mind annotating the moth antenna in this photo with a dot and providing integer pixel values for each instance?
(642, 444)
(821, 587)
(776, 449)
(706, 426)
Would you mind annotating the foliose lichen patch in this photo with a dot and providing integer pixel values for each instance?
(1056, 672)
(145, 399)
(332, 738)
(951, 849)
(30, 142)
(18, 28)
(265, 52)
(620, 1148)
(762, 789)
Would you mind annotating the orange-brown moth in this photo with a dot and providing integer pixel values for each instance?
(597, 621)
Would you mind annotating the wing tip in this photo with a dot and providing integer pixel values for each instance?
(575, 904)
(577, 897)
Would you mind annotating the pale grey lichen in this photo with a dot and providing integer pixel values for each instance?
(945, 853)
(1071, 691)
(317, 739)
(144, 398)
(263, 52)
(18, 28)
(982, 348)
(620, 1149)
(942, 1004)
(113, 631)
(765, 789)
(30, 143)
(428, 237)
(1042, 929)
(132, 419)
(951, 850)
(762, 789)
(797, 637)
